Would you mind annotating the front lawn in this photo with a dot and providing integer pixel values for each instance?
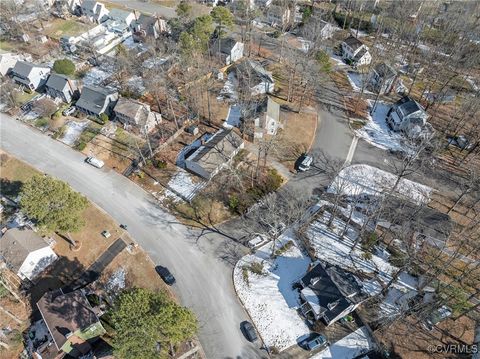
(60, 27)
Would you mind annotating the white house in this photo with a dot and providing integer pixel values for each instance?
(269, 122)
(278, 15)
(228, 49)
(30, 75)
(382, 78)
(94, 11)
(253, 75)
(25, 253)
(356, 52)
(408, 116)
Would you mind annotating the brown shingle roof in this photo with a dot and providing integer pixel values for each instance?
(353, 42)
(64, 314)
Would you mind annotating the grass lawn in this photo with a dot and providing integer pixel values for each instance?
(23, 97)
(6, 45)
(60, 27)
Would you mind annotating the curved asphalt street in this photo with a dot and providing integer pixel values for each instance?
(203, 267)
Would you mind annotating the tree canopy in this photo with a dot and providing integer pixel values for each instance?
(53, 204)
(223, 18)
(198, 35)
(184, 11)
(65, 67)
(142, 319)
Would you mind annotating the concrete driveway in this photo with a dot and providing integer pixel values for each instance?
(202, 264)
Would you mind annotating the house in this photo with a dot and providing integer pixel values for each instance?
(94, 11)
(262, 3)
(269, 122)
(329, 293)
(25, 253)
(74, 6)
(278, 16)
(214, 154)
(149, 26)
(30, 75)
(408, 116)
(133, 113)
(382, 78)
(355, 52)
(323, 29)
(95, 100)
(252, 74)
(60, 86)
(123, 17)
(228, 50)
(7, 62)
(70, 320)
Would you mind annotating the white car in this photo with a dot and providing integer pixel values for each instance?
(95, 162)
(69, 111)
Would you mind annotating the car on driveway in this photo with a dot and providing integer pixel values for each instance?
(69, 111)
(314, 341)
(165, 274)
(303, 163)
(248, 330)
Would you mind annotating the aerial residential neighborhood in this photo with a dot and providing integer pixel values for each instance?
(239, 179)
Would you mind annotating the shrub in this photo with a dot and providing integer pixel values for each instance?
(103, 118)
(4, 158)
(65, 67)
(233, 203)
(323, 61)
(159, 164)
(81, 146)
(369, 240)
(245, 275)
(41, 122)
(60, 132)
(257, 268)
(273, 181)
(284, 248)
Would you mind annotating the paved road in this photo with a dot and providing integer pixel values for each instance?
(204, 280)
(147, 7)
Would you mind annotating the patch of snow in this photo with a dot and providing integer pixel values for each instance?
(37, 335)
(349, 347)
(116, 281)
(233, 117)
(229, 89)
(269, 298)
(357, 81)
(355, 180)
(182, 183)
(472, 82)
(359, 34)
(73, 131)
(377, 132)
(136, 85)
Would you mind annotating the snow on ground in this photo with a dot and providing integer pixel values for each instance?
(331, 247)
(73, 131)
(269, 298)
(357, 81)
(472, 82)
(37, 335)
(182, 183)
(233, 117)
(355, 180)
(229, 89)
(360, 33)
(349, 347)
(96, 75)
(377, 132)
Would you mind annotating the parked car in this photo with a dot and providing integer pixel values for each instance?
(303, 163)
(69, 111)
(314, 341)
(106, 234)
(165, 274)
(95, 162)
(248, 330)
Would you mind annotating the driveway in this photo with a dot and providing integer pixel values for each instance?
(202, 264)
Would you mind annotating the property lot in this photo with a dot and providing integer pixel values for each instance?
(57, 28)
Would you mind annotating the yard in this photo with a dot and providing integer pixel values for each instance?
(57, 28)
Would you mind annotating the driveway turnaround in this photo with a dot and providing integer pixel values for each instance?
(204, 281)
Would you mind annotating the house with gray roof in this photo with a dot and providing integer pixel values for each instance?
(355, 52)
(149, 26)
(408, 116)
(253, 75)
(94, 11)
(30, 75)
(228, 49)
(214, 154)
(25, 253)
(328, 293)
(95, 100)
(269, 122)
(382, 78)
(127, 17)
(137, 115)
(60, 86)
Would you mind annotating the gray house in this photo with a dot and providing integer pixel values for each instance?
(253, 75)
(136, 114)
(149, 26)
(60, 86)
(94, 11)
(96, 100)
(382, 78)
(328, 293)
(30, 75)
(408, 116)
(228, 49)
(215, 153)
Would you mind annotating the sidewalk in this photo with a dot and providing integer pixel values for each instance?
(282, 170)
